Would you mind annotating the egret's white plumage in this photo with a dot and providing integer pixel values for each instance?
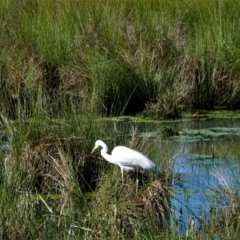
(126, 158)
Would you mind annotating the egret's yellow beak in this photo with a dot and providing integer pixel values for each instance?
(93, 149)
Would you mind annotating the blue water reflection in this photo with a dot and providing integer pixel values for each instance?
(198, 185)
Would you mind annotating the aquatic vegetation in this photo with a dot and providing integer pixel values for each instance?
(65, 64)
(193, 135)
(154, 58)
(57, 189)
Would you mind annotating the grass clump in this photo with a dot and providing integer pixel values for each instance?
(117, 58)
(52, 188)
(65, 63)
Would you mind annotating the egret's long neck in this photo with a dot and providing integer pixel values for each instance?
(104, 147)
(107, 156)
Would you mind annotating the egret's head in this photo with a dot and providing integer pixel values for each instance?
(95, 146)
(98, 143)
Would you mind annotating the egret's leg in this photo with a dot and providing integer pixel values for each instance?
(137, 182)
(122, 181)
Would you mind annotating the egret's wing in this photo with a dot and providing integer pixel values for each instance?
(131, 158)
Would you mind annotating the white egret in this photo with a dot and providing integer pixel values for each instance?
(126, 158)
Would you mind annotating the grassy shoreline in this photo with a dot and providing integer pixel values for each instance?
(65, 64)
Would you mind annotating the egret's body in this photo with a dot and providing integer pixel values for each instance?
(126, 158)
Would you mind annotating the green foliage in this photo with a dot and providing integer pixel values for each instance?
(51, 187)
(63, 64)
(115, 57)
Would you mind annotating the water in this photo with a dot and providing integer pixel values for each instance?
(205, 166)
(4, 143)
(205, 170)
(200, 186)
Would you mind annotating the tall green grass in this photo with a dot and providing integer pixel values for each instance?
(65, 63)
(116, 57)
(51, 187)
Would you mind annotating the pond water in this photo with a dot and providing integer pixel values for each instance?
(206, 169)
(204, 161)
(200, 186)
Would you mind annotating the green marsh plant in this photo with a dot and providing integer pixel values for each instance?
(117, 58)
(64, 64)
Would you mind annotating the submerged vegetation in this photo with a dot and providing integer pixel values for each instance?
(63, 65)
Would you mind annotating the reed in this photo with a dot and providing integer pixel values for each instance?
(117, 58)
(52, 188)
(64, 64)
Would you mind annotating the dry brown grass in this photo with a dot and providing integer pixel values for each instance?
(43, 164)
